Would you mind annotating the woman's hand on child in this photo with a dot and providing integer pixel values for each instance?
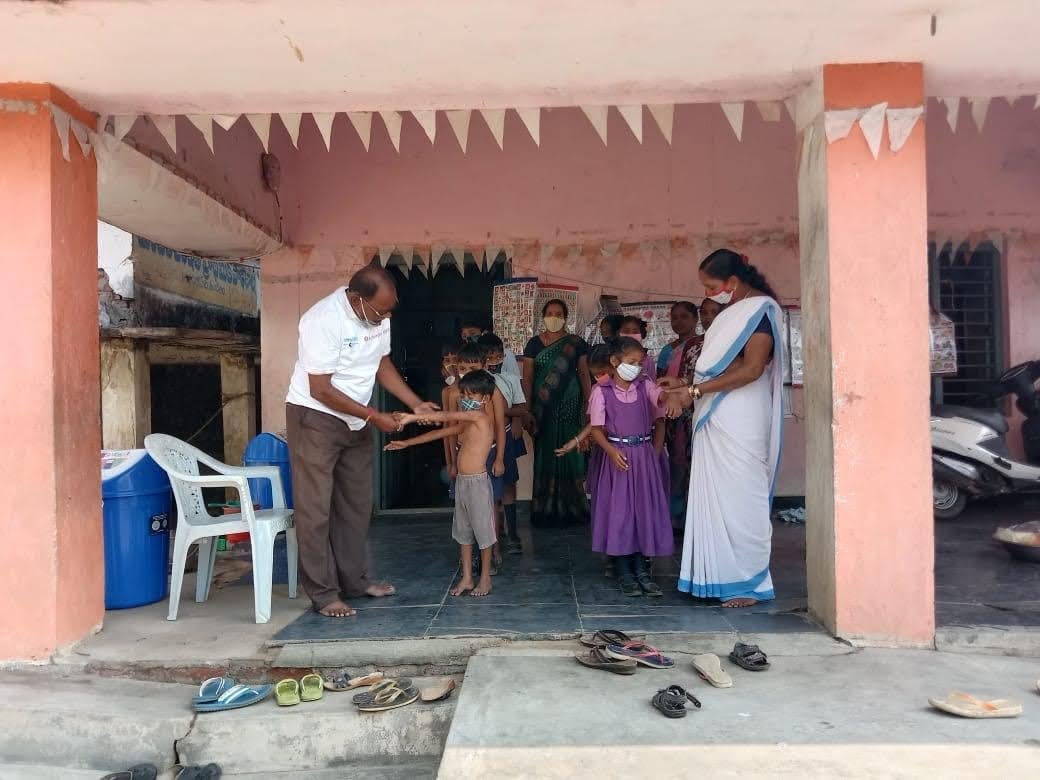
(395, 446)
(618, 458)
(671, 383)
(499, 468)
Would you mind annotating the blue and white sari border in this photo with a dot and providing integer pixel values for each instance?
(729, 590)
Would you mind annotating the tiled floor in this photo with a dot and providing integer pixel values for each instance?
(555, 589)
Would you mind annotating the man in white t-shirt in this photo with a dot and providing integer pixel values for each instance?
(344, 350)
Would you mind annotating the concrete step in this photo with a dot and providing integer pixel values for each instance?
(329, 733)
(90, 723)
(36, 772)
(861, 714)
(409, 770)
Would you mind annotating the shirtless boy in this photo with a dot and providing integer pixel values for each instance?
(474, 519)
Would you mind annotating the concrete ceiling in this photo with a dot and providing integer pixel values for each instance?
(234, 56)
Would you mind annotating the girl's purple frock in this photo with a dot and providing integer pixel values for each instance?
(630, 512)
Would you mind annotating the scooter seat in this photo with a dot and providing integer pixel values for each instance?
(988, 417)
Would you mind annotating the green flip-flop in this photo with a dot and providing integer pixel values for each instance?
(311, 687)
(287, 693)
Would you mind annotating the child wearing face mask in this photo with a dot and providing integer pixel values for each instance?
(510, 410)
(474, 519)
(630, 514)
(635, 328)
(473, 357)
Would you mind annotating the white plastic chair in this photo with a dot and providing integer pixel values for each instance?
(194, 524)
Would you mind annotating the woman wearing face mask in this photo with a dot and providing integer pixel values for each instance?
(677, 360)
(736, 394)
(556, 383)
(630, 519)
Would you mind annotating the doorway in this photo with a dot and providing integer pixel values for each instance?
(428, 315)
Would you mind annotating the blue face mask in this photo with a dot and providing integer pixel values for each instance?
(470, 404)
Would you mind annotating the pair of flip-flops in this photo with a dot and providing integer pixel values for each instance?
(671, 701)
(218, 694)
(388, 694)
(291, 692)
(617, 652)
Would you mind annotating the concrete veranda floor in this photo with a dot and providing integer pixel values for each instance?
(984, 600)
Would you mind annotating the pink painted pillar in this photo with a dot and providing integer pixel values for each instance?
(863, 237)
(51, 562)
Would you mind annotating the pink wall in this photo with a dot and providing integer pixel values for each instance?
(706, 189)
(52, 573)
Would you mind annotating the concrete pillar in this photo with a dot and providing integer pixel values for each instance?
(238, 391)
(126, 394)
(51, 559)
(863, 237)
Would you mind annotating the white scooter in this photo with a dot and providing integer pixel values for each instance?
(970, 455)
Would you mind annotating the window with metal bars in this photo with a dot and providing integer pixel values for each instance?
(965, 285)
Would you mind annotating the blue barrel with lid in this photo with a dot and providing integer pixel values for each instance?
(136, 501)
(269, 449)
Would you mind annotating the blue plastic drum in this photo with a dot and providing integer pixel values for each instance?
(137, 502)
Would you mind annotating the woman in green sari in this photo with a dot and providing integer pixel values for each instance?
(557, 384)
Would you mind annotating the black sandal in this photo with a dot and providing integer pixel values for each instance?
(671, 701)
(749, 657)
(650, 588)
(137, 772)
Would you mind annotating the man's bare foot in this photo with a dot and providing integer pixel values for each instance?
(463, 586)
(378, 590)
(483, 587)
(337, 609)
(738, 603)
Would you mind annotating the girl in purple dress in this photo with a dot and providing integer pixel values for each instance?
(630, 515)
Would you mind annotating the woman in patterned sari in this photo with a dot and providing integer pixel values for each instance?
(556, 380)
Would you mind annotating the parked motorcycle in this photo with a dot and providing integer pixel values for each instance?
(970, 457)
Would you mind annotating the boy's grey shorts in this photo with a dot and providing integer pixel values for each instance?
(474, 519)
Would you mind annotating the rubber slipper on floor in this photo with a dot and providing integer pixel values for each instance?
(749, 657)
(390, 697)
(367, 697)
(709, 667)
(211, 689)
(342, 681)
(136, 772)
(442, 690)
(597, 658)
(607, 636)
(287, 693)
(311, 687)
(671, 701)
(641, 653)
(237, 697)
(967, 706)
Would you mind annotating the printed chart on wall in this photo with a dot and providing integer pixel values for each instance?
(658, 318)
(513, 311)
(547, 291)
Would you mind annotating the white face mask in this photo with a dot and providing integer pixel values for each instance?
(449, 380)
(554, 324)
(628, 372)
(723, 298)
(699, 330)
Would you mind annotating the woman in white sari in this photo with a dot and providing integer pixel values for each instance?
(736, 395)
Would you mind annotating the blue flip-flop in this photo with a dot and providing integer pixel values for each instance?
(211, 689)
(235, 697)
